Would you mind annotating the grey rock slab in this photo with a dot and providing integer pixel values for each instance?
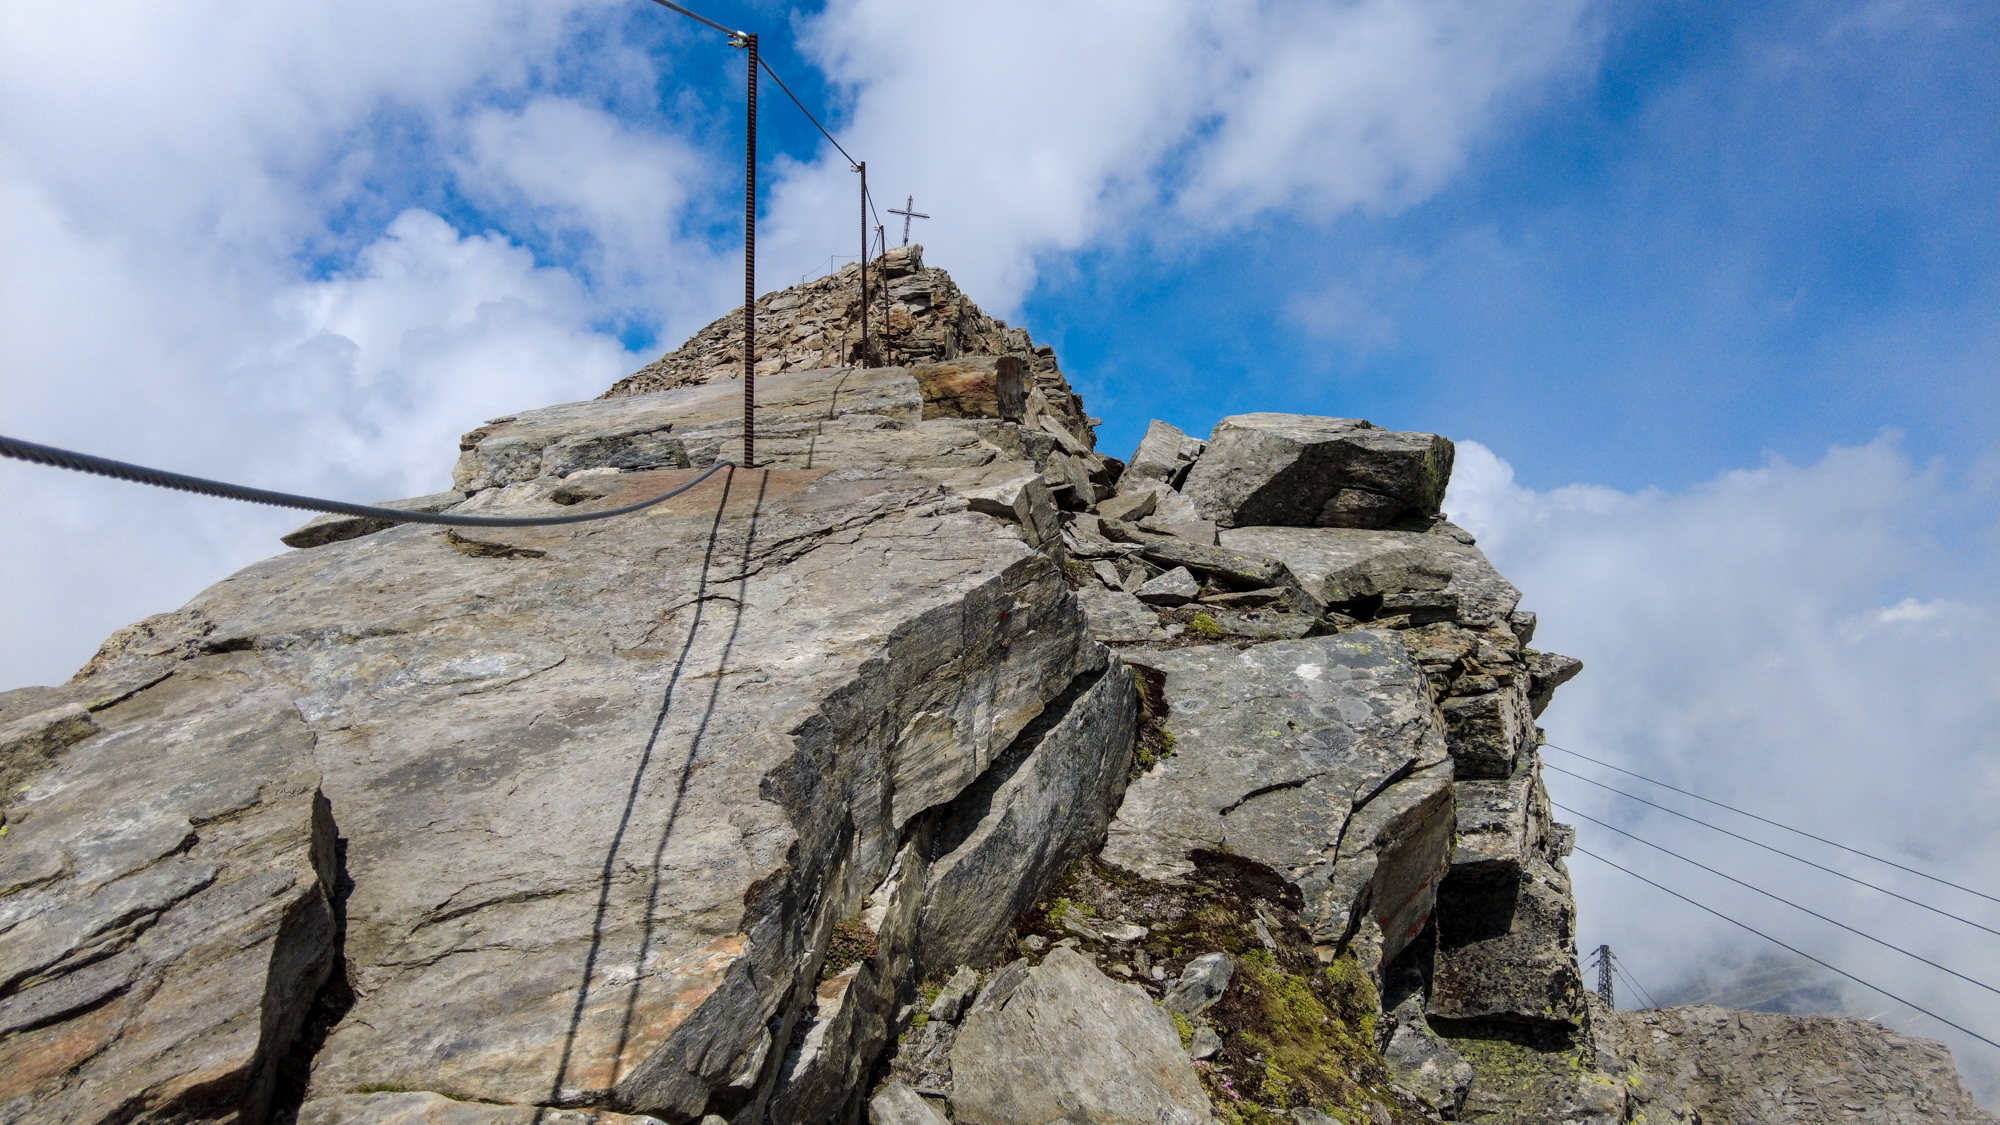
(1009, 836)
(1117, 616)
(1316, 554)
(1175, 587)
(668, 429)
(1201, 983)
(1165, 454)
(1128, 506)
(952, 998)
(164, 970)
(1790, 1070)
(897, 1104)
(1507, 949)
(1299, 470)
(31, 743)
(333, 528)
(1548, 671)
(1320, 759)
(605, 792)
(1070, 1044)
(1501, 822)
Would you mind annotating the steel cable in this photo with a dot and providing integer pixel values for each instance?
(1772, 823)
(159, 478)
(1773, 850)
(1786, 901)
(1790, 948)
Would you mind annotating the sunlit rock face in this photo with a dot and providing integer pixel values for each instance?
(935, 768)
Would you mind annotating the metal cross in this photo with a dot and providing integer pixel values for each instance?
(909, 202)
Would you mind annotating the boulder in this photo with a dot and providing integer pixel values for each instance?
(1069, 1044)
(605, 792)
(1165, 454)
(1117, 616)
(1200, 984)
(1319, 759)
(1298, 470)
(897, 1104)
(1012, 490)
(1175, 587)
(1338, 564)
(1507, 950)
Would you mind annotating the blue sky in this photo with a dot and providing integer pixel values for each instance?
(1705, 291)
(1745, 232)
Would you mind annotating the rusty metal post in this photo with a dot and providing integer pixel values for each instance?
(862, 168)
(750, 263)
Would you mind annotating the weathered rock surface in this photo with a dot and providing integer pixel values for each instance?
(435, 1109)
(321, 530)
(1320, 759)
(1165, 455)
(924, 319)
(605, 791)
(1069, 1044)
(1010, 834)
(1790, 1070)
(1331, 562)
(1507, 950)
(1297, 470)
(168, 907)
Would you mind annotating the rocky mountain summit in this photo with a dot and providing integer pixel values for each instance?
(940, 768)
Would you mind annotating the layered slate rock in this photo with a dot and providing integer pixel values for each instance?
(1068, 1044)
(1789, 1070)
(1320, 759)
(606, 792)
(166, 897)
(1299, 470)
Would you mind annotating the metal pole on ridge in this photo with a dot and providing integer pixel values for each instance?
(862, 167)
(750, 262)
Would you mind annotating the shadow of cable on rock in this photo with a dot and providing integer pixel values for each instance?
(640, 773)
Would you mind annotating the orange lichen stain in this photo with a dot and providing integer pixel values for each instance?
(632, 1021)
(33, 1059)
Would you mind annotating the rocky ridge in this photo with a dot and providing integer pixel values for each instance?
(939, 769)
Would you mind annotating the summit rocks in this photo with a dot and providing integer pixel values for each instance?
(936, 768)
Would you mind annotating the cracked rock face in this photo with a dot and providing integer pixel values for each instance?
(1070, 1044)
(604, 795)
(166, 909)
(1321, 759)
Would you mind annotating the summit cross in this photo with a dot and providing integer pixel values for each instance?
(908, 212)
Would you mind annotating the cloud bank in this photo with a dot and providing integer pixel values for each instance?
(1794, 641)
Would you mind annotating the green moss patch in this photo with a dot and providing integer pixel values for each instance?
(1295, 1032)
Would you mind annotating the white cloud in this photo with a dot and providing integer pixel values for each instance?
(1037, 128)
(1738, 642)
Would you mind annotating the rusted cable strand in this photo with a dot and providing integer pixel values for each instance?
(139, 474)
